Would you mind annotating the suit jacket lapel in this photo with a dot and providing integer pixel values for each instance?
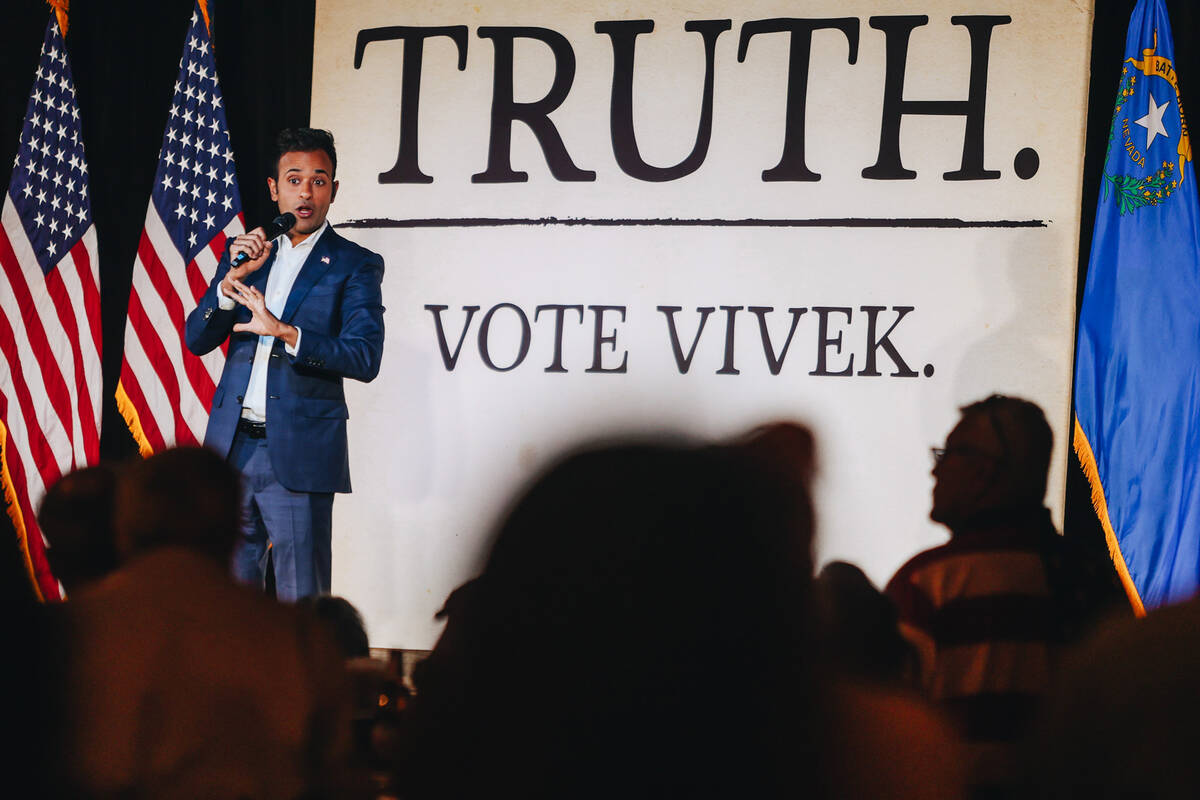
(317, 264)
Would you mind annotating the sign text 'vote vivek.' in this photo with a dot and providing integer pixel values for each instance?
(692, 218)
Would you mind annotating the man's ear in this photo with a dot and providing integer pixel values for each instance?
(272, 188)
(989, 476)
(333, 194)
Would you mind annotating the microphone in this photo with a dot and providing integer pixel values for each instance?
(281, 224)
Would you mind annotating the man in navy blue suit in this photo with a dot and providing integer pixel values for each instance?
(302, 314)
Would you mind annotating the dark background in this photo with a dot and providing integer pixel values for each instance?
(125, 59)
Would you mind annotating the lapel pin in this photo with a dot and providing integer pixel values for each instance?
(324, 259)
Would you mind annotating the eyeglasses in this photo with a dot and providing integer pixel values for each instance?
(988, 408)
(939, 453)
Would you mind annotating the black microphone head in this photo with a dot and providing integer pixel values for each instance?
(281, 224)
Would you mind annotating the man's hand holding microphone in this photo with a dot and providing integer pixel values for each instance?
(248, 252)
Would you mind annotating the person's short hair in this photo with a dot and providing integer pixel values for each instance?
(76, 517)
(185, 497)
(344, 622)
(1025, 438)
(580, 660)
(304, 140)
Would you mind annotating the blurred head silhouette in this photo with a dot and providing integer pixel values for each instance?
(342, 620)
(184, 497)
(996, 459)
(76, 516)
(583, 661)
(858, 627)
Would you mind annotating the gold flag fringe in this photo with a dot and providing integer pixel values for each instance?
(1084, 450)
(60, 10)
(14, 512)
(129, 412)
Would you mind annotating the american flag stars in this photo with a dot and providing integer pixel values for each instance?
(49, 186)
(165, 391)
(195, 186)
(50, 333)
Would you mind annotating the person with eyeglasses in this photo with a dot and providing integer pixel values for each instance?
(985, 610)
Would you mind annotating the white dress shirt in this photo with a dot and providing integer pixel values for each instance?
(288, 262)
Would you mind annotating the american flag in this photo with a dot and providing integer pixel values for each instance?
(165, 392)
(50, 380)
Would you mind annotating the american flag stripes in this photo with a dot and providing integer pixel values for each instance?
(50, 379)
(165, 392)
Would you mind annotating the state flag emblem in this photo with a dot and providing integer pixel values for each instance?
(1150, 134)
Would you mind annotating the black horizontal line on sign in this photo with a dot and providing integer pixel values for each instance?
(672, 222)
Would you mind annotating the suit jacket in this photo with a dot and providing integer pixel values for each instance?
(337, 304)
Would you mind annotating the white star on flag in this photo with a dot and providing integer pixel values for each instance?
(165, 392)
(50, 367)
(1152, 122)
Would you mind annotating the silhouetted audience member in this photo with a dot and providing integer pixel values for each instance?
(580, 663)
(858, 628)
(984, 610)
(30, 680)
(378, 696)
(183, 684)
(76, 517)
(1121, 722)
(343, 621)
(583, 661)
(887, 742)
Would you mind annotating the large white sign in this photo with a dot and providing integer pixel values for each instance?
(692, 218)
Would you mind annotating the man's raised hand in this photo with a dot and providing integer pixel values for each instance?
(262, 321)
(255, 245)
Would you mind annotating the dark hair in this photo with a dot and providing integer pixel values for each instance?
(76, 517)
(344, 621)
(858, 628)
(579, 661)
(185, 497)
(1026, 439)
(304, 140)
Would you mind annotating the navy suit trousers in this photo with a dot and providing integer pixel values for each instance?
(297, 525)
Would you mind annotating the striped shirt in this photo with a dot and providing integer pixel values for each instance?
(983, 615)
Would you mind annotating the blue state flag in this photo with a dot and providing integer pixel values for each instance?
(1137, 367)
